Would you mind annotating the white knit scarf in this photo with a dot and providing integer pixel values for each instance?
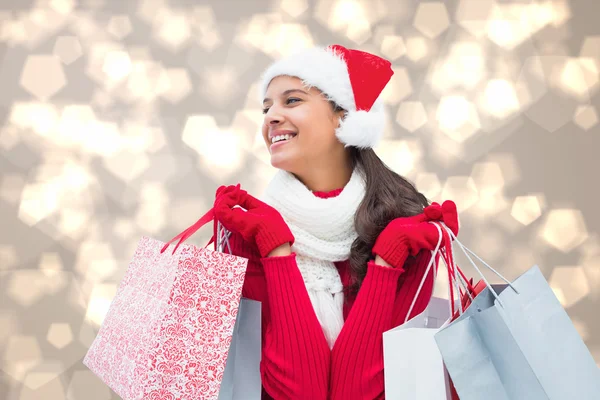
(324, 232)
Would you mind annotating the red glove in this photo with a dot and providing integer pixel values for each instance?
(408, 235)
(260, 224)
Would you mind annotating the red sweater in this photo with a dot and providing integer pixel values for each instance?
(296, 360)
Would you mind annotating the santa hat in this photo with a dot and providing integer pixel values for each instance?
(353, 79)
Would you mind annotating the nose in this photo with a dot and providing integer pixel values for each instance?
(272, 117)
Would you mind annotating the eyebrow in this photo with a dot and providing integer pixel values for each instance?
(286, 93)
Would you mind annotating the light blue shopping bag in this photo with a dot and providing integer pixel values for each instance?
(516, 342)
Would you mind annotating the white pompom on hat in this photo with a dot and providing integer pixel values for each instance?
(353, 79)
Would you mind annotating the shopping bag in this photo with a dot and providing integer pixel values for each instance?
(515, 341)
(168, 329)
(413, 365)
(241, 379)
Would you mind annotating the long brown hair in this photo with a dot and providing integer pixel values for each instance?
(387, 196)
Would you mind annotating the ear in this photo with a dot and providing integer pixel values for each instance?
(340, 115)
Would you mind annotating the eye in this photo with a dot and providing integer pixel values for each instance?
(265, 110)
(292, 99)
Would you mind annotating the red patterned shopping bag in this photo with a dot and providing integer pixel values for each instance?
(168, 329)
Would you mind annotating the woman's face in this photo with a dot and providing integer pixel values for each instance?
(306, 117)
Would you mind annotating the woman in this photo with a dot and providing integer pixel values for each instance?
(339, 243)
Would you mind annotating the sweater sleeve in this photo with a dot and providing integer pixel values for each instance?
(383, 300)
(295, 356)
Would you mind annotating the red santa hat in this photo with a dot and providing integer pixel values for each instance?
(353, 79)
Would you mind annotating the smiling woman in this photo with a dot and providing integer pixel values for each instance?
(339, 242)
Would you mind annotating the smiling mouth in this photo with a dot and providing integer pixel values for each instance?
(283, 138)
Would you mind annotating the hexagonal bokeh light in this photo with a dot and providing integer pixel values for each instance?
(564, 229)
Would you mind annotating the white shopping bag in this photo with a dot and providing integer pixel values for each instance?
(413, 365)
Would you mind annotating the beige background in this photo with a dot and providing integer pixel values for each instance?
(120, 118)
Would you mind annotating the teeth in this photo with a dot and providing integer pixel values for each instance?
(279, 138)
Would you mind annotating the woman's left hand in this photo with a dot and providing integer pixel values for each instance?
(409, 235)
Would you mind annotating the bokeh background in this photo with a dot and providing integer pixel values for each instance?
(120, 118)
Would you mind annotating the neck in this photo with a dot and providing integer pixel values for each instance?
(325, 178)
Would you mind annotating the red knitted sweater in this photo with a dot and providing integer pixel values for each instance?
(296, 360)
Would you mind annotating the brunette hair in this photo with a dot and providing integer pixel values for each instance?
(387, 196)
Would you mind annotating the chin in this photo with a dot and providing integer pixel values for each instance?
(285, 164)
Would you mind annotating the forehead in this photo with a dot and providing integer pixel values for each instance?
(282, 83)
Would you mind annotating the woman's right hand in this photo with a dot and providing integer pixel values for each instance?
(260, 224)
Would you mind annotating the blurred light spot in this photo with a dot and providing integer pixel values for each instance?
(149, 10)
(500, 98)
(80, 385)
(586, 117)
(21, 354)
(40, 117)
(139, 137)
(151, 215)
(38, 202)
(68, 49)
(473, 15)
(117, 65)
(565, 229)
(416, 48)
(464, 67)
(208, 38)
(398, 88)
(591, 49)
(95, 261)
(43, 384)
(400, 155)
(359, 32)
(74, 126)
(125, 228)
(511, 24)
(457, 118)
(344, 13)
(489, 246)
(591, 267)
(393, 47)
(99, 303)
(462, 190)
(172, 29)
(569, 284)
(429, 184)
(8, 257)
(59, 335)
(9, 137)
(220, 84)
(285, 39)
(411, 115)
(119, 26)
(178, 84)
(218, 149)
(62, 6)
(526, 209)
(294, 8)
(579, 77)
(11, 187)
(10, 326)
(488, 178)
(127, 165)
(50, 264)
(489, 204)
(43, 76)
(581, 327)
(431, 19)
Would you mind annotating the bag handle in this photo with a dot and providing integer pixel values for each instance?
(466, 251)
(206, 218)
(451, 268)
